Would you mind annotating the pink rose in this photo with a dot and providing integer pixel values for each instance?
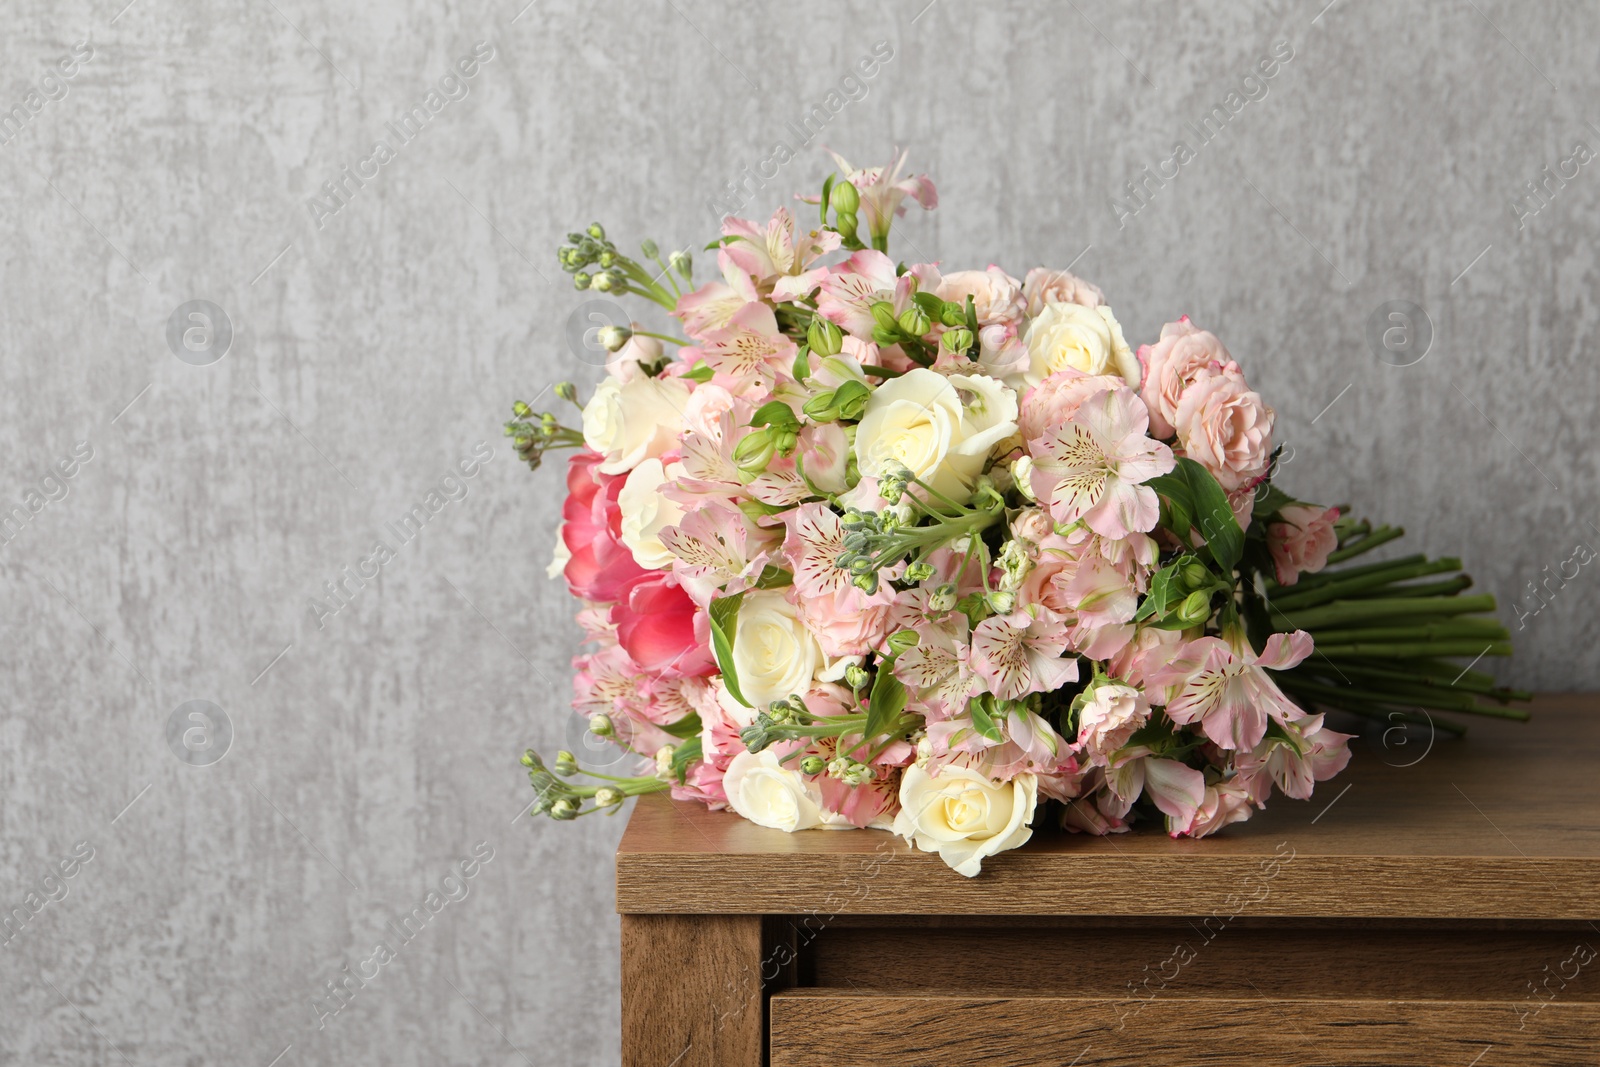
(1301, 540)
(1225, 426)
(1054, 401)
(1044, 286)
(1109, 719)
(996, 295)
(848, 622)
(1184, 354)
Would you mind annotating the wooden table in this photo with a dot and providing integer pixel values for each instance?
(1431, 906)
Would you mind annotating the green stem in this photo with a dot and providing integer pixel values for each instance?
(1406, 674)
(1322, 578)
(1361, 583)
(880, 372)
(1381, 536)
(1481, 629)
(663, 337)
(1411, 651)
(1358, 611)
(1449, 587)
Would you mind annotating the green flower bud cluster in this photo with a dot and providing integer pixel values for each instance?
(849, 771)
(845, 202)
(847, 402)
(534, 433)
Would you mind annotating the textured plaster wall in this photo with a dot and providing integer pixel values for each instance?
(373, 748)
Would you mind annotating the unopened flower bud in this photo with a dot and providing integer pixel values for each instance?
(920, 572)
(566, 764)
(1022, 474)
(521, 409)
(844, 199)
(883, 315)
(607, 797)
(867, 583)
(530, 759)
(942, 598)
(813, 765)
(914, 321)
(612, 338)
(664, 756)
(901, 640)
(682, 262)
(856, 676)
(597, 231)
(958, 340)
(1196, 608)
(824, 337)
(566, 391)
(564, 809)
(608, 259)
(953, 315)
(1000, 601)
(603, 282)
(1195, 574)
(754, 451)
(582, 280)
(648, 247)
(601, 725)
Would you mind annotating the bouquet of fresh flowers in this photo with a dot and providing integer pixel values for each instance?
(881, 546)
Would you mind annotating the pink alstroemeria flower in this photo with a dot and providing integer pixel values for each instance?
(1018, 654)
(1323, 754)
(1092, 468)
(1228, 691)
(883, 191)
(749, 351)
(853, 286)
(775, 255)
(709, 307)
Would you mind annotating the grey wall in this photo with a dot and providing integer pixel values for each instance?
(374, 747)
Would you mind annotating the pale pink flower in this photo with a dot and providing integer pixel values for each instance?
(1149, 651)
(1300, 540)
(1054, 401)
(1184, 354)
(1323, 753)
(710, 307)
(1044, 286)
(1175, 788)
(703, 411)
(996, 295)
(715, 548)
(1222, 804)
(1109, 719)
(1227, 690)
(847, 622)
(1018, 654)
(813, 541)
(824, 456)
(1225, 426)
(883, 191)
(750, 352)
(777, 255)
(1002, 353)
(853, 286)
(936, 670)
(1094, 814)
(1031, 746)
(1093, 467)
(1103, 602)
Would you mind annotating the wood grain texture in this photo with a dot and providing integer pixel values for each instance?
(692, 991)
(811, 1029)
(1442, 837)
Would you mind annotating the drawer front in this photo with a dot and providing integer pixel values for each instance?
(827, 1028)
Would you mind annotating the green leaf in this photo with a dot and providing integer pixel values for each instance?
(931, 304)
(1177, 503)
(777, 414)
(801, 370)
(774, 578)
(827, 187)
(1214, 515)
(688, 726)
(886, 702)
(684, 755)
(1163, 593)
(724, 616)
(1269, 499)
(701, 373)
(984, 722)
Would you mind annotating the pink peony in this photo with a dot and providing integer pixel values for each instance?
(1225, 426)
(1054, 401)
(1301, 540)
(1044, 286)
(1184, 354)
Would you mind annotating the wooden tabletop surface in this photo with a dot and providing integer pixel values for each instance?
(1501, 824)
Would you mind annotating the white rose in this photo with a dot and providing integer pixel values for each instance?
(963, 815)
(921, 420)
(559, 558)
(770, 794)
(774, 655)
(1074, 337)
(645, 513)
(628, 422)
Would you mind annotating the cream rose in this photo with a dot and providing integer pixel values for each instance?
(774, 655)
(1073, 337)
(963, 815)
(629, 422)
(921, 420)
(646, 512)
(770, 794)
